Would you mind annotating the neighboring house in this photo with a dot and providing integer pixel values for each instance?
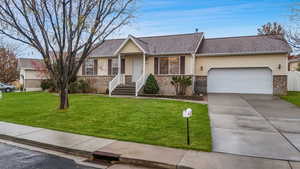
(294, 63)
(247, 64)
(32, 71)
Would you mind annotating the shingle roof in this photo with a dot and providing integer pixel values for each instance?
(107, 48)
(29, 63)
(243, 44)
(169, 44)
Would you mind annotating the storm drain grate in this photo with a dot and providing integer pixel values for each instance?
(105, 157)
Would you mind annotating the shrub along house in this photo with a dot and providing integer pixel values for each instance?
(249, 64)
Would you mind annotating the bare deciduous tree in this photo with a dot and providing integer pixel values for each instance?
(271, 29)
(64, 32)
(8, 66)
(293, 34)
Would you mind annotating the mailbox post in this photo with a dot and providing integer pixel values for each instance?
(187, 114)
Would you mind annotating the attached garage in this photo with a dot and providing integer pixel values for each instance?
(240, 80)
(246, 64)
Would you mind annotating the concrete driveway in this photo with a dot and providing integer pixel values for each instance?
(255, 125)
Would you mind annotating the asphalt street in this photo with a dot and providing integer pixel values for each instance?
(12, 157)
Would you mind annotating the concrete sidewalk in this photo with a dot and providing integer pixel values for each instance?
(134, 153)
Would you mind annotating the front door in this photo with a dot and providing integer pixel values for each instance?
(137, 68)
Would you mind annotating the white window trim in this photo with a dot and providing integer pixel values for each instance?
(114, 67)
(169, 67)
(94, 72)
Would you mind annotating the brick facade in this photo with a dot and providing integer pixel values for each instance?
(165, 86)
(100, 83)
(200, 84)
(280, 84)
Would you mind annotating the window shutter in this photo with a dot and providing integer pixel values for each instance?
(83, 68)
(95, 67)
(182, 65)
(123, 66)
(156, 66)
(109, 67)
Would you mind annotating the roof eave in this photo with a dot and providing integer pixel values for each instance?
(148, 54)
(243, 53)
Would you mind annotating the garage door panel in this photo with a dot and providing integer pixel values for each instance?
(240, 80)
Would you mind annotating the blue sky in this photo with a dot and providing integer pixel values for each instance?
(216, 18)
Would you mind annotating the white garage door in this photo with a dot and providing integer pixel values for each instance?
(240, 80)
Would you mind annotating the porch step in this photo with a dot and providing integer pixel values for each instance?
(123, 93)
(127, 85)
(125, 89)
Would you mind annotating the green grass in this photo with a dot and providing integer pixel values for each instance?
(150, 121)
(292, 97)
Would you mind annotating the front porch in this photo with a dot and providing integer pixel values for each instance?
(131, 75)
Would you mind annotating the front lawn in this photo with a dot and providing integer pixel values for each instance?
(293, 97)
(149, 121)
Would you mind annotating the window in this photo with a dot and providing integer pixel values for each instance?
(174, 65)
(114, 66)
(170, 65)
(90, 67)
(163, 65)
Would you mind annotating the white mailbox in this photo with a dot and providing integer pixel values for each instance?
(187, 113)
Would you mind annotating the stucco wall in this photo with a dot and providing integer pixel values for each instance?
(294, 66)
(150, 65)
(271, 61)
(130, 47)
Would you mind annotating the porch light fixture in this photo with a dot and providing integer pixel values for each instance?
(279, 66)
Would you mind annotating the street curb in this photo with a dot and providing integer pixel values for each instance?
(89, 155)
(146, 163)
(47, 146)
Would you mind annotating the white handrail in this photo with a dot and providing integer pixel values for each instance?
(140, 83)
(117, 80)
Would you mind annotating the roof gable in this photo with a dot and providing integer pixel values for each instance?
(129, 46)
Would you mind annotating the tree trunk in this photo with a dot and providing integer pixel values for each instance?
(64, 99)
